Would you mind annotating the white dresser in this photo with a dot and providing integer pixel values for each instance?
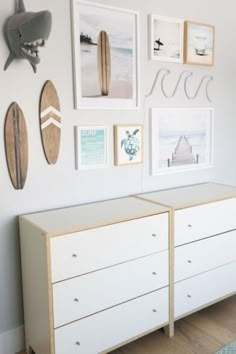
(95, 276)
(203, 244)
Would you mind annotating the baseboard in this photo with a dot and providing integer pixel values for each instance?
(12, 342)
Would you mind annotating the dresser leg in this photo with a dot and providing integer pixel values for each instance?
(31, 351)
(169, 330)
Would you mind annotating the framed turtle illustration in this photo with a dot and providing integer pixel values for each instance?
(128, 144)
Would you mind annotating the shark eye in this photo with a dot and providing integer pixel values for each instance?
(19, 35)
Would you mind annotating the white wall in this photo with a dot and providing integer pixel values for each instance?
(57, 186)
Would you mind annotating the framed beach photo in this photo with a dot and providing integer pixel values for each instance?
(105, 56)
(199, 41)
(91, 148)
(128, 144)
(166, 39)
(181, 139)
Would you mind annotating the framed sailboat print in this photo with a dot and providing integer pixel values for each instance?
(181, 139)
(105, 56)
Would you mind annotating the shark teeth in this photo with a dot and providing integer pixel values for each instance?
(37, 42)
(33, 54)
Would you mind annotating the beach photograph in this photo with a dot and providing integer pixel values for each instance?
(181, 138)
(199, 43)
(107, 51)
(166, 39)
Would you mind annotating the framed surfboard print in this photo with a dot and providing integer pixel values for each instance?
(105, 43)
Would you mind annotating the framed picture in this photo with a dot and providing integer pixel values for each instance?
(199, 43)
(91, 147)
(181, 139)
(128, 144)
(105, 56)
(166, 39)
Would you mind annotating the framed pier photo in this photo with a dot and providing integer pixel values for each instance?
(181, 139)
(105, 56)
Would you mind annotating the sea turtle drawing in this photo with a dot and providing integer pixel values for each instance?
(131, 144)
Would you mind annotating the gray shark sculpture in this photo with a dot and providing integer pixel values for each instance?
(25, 32)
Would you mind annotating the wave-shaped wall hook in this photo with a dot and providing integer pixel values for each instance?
(210, 78)
(167, 72)
(189, 73)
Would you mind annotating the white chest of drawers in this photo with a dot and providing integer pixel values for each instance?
(94, 276)
(203, 244)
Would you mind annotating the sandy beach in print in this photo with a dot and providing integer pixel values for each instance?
(120, 28)
(121, 72)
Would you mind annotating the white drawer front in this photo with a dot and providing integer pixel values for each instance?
(204, 220)
(90, 293)
(195, 292)
(203, 255)
(86, 251)
(109, 328)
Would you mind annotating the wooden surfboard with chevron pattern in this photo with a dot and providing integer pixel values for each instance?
(16, 145)
(50, 122)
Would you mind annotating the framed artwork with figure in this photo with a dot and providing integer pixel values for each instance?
(166, 39)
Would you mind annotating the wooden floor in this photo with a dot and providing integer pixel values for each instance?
(204, 332)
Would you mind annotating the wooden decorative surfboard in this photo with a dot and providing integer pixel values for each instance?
(50, 122)
(16, 145)
(104, 63)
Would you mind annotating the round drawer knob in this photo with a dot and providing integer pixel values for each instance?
(189, 225)
(189, 261)
(154, 273)
(154, 310)
(189, 296)
(154, 235)
(77, 343)
(76, 299)
(74, 255)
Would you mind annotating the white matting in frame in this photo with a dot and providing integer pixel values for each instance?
(105, 56)
(166, 39)
(181, 139)
(91, 147)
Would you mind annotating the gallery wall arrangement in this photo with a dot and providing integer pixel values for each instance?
(106, 76)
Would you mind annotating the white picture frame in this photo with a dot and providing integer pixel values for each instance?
(181, 139)
(166, 39)
(91, 147)
(106, 72)
(128, 144)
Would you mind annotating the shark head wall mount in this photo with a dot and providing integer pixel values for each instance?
(25, 32)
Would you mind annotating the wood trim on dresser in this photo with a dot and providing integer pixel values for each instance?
(170, 331)
(50, 297)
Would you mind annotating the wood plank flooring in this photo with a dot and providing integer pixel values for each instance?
(204, 332)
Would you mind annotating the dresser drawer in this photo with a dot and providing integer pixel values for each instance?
(203, 255)
(86, 251)
(202, 289)
(106, 329)
(90, 293)
(205, 220)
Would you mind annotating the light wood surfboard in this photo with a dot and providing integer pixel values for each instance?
(16, 145)
(50, 122)
(104, 63)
